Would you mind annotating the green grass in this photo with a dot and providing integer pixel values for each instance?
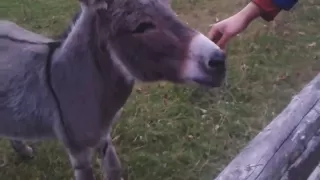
(170, 132)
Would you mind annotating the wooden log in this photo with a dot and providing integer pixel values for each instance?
(271, 154)
(306, 163)
(315, 174)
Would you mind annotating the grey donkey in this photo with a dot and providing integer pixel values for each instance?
(73, 90)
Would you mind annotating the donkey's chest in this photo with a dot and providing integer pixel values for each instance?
(114, 96)
(113, 100)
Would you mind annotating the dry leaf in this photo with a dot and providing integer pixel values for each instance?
(217, 127)
(313, 44)
(139, 90)
(190, 137)
(165, 99)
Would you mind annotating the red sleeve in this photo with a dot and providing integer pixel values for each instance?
(270, 10)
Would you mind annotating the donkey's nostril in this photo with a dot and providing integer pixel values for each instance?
(213, 63)
(217, 60)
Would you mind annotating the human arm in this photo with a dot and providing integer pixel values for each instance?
(270, 8)
(223, 31)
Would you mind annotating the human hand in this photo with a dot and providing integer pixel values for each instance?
(223, 31)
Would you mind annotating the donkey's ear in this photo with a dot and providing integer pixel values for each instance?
(108, 1)
(92, 2)
(167, 2)
(87, 2)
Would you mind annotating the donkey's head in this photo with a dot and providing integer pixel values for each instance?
(149, 42)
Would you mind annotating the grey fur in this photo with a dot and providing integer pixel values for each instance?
(77, 93)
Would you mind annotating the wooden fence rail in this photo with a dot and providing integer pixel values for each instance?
(288, 148)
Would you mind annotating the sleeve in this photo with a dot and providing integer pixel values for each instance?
(285, 4)
(271, 8)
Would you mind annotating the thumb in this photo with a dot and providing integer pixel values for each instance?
(214, 34)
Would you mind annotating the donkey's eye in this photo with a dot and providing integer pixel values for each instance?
(143, 27)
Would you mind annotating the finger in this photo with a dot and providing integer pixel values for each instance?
(223, 40)
(214, 34)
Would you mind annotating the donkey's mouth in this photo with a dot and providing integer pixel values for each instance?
(209, 82)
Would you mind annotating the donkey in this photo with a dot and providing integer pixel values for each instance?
(73, 90)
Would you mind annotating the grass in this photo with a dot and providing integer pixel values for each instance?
(171, 132)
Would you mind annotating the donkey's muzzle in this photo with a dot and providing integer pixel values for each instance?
(206, 63)
(216, 62)
(214, 69)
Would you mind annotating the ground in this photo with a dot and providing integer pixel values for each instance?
(170, 132)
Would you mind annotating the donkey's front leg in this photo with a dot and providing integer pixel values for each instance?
(81, 163)
(110, 163)
(22, 149)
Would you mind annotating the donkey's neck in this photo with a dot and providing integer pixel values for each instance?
(83, 46)
(88, 84)
(84, 37)
(78, 38)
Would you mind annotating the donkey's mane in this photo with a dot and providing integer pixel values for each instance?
(97, 53)
(69, 28)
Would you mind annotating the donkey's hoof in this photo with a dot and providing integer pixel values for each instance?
(99, 161)
(3, 161)
(22, 149)
(26, 152)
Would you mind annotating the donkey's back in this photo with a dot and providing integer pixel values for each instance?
(26, 106)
